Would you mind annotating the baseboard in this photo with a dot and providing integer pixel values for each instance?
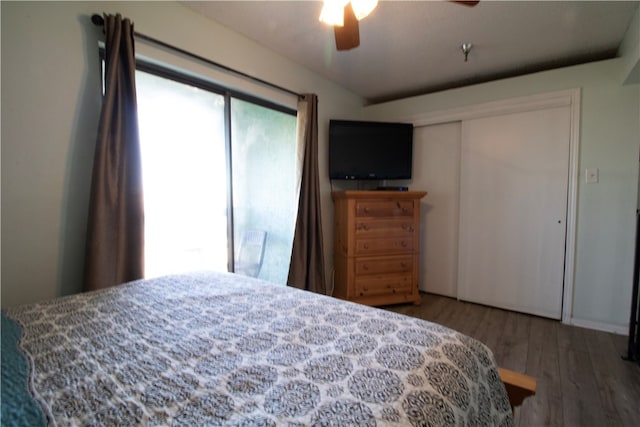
(600, 326)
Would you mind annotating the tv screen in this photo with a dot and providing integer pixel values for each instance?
(370, 150)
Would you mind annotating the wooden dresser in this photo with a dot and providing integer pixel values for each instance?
(376, 246)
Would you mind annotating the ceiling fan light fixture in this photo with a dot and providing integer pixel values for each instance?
(362, 8)
(333, 12)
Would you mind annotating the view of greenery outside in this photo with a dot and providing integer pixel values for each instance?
(182, 137)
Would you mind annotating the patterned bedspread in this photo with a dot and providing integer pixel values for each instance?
(222, 349)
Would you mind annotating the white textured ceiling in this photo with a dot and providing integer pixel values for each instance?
(413, 47)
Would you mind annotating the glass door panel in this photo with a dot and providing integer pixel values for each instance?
(182, 140)
(263, 164)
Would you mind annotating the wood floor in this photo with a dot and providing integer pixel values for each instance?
(582, 379)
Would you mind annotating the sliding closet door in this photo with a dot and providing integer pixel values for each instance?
(513, 208)
(436, 169)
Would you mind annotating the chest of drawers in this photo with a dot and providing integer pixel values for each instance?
(376, 246)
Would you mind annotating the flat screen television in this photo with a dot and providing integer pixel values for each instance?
(370, 150)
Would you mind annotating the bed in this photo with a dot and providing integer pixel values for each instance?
(223, 349)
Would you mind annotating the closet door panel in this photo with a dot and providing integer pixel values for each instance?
(436, 168)
(513, 208)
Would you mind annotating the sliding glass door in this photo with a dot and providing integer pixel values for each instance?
(215, 186)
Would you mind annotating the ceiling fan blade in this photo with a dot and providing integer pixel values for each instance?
(466, 3)
(348, 36)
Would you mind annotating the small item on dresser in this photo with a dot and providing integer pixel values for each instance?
(392, 188)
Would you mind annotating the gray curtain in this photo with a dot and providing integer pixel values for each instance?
(306, 270)
(115, 230)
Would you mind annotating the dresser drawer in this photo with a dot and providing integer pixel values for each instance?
(384, 208)
(373, 227)
(383, 245)
(383, 284)
(381, 265)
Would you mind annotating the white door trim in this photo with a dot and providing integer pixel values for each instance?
(570, 97)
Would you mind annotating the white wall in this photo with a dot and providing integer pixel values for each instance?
(629, 51)
(610, 141)
(50, 107)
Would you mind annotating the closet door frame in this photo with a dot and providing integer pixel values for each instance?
(571, 98)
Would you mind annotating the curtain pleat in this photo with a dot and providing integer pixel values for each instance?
(306, 270)
(115, 230)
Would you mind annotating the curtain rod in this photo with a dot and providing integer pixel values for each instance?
(99, 21)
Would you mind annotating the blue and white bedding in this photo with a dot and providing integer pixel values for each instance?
(224, 349)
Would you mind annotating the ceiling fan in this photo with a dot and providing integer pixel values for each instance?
(344, 16)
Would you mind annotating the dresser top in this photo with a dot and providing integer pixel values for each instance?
(378, 194)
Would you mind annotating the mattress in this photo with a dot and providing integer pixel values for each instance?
(223, 349)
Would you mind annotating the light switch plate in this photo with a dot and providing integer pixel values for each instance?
(591, 175)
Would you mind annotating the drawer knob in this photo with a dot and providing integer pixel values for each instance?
(402, 209)
(403, 244)
(365, 267)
